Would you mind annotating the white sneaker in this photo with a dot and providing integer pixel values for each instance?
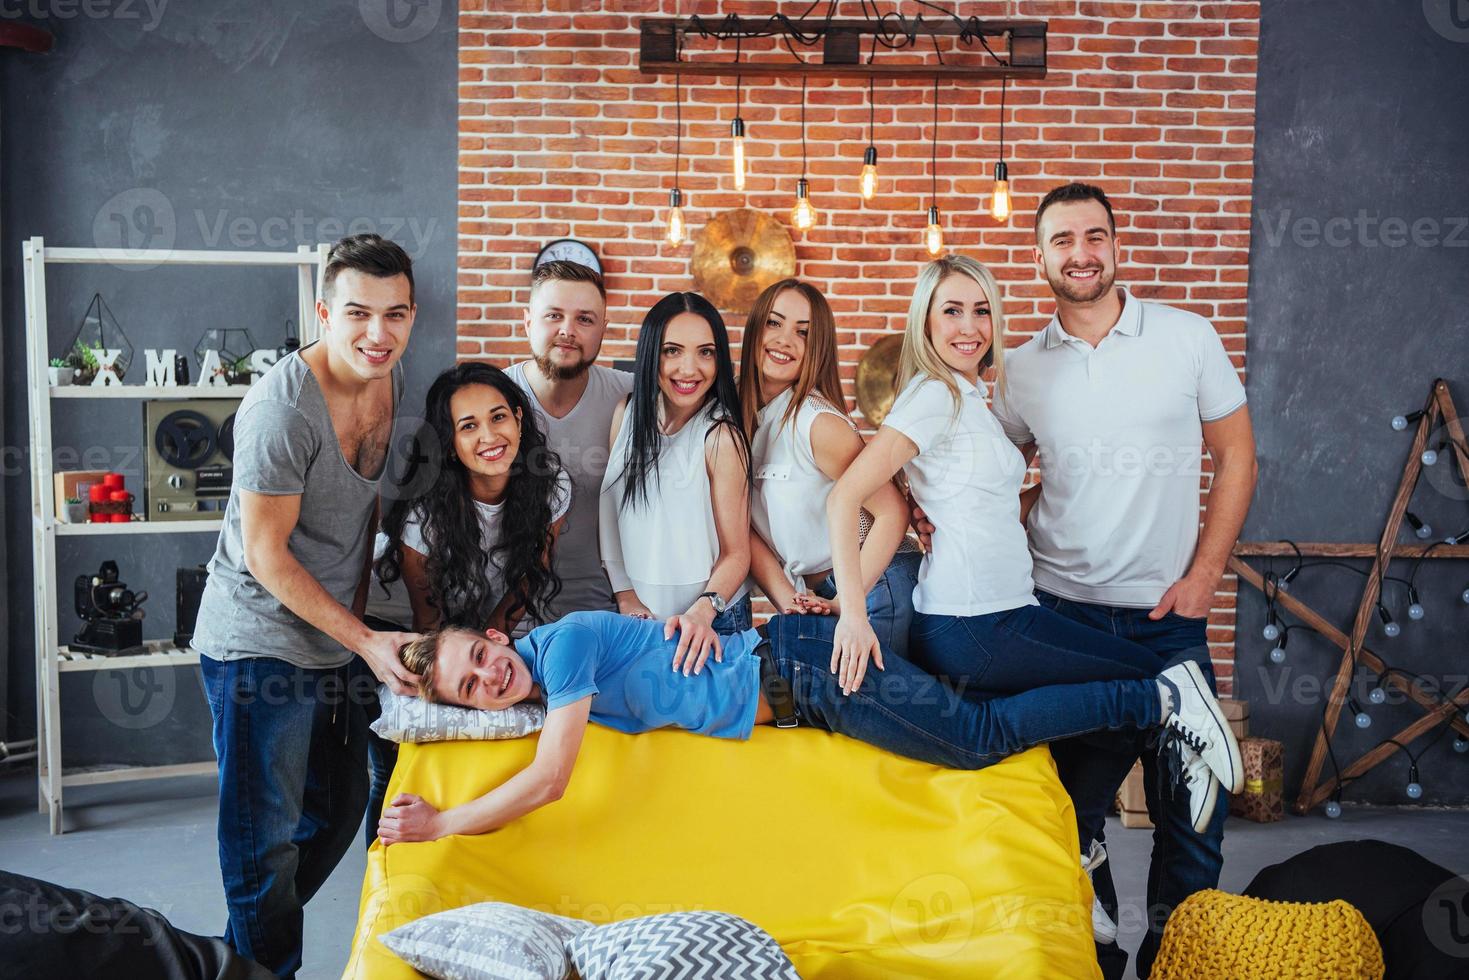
(1202, 786)
(1104, 930)
(1199, 723)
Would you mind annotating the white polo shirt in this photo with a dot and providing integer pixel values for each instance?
(1119, 430)
(967, 479)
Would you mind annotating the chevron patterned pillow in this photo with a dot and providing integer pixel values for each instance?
(488, 941)
(680, 946)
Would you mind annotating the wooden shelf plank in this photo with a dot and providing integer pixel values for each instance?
(161, 653)
(213, 526)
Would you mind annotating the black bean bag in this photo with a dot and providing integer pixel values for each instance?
(1419, 910)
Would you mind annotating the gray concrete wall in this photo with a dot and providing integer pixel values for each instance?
(231, 125)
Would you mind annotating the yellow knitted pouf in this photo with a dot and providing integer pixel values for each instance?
(1213, 935)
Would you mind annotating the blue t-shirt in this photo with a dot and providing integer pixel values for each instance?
(626, 666)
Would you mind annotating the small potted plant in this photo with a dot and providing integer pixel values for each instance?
(76, 510)
(239, 371)
(83, 361)
(60, 372)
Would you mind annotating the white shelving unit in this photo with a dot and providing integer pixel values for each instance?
(52, 658)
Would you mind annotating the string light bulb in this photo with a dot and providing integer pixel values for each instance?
(1388, 626)
(1400, 422)
(1421, 528)
(803, 215)
(1377, 695)
(1271, 630)
(1333, 809)
(1461, 745)
(737, 151)
(1000, 194)
(676, 230)
(933, 236)
(1359, 717)
(868, 180)
(1277, 655)
(1415, 608)
(737, 127)
(1414, 789)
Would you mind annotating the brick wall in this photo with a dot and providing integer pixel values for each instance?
(561, 136)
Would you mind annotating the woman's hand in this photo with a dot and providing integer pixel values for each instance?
(696, 637)
(815, 605)
(629, 604)
(852, 645)
(409, 818)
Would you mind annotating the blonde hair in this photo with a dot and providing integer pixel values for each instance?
(421, 657)
(818, 373)
(919, 355)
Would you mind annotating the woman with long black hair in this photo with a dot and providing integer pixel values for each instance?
(474, 547)
(675, 505)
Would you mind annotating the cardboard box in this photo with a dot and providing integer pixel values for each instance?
(1263, 800)
(1238, 714)
(1132, 802)
(65, 483)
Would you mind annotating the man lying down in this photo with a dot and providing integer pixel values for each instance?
(632, 675)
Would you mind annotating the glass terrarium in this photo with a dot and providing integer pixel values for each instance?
(234, 345)
(99, 331)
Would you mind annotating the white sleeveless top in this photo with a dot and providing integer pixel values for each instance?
(664, 547)
(789, 507)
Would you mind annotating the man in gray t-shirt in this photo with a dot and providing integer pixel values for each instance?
(288, 664)
(575, 398)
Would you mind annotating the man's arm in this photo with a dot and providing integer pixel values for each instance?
(412, 818)
(266, 523)
(1231, 442)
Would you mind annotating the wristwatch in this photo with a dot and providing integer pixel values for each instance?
(715, 599)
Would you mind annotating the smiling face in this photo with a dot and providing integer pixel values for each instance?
(480, 670)
(1077, 251)
(959, 324)
(783, 342)
(687, 363)
(366, 321)
(565, 322)
(486, 430)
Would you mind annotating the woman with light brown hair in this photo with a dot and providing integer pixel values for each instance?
(801, 442)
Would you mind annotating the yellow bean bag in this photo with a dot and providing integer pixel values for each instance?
(860, 863)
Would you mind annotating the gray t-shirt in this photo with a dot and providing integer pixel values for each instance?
(580, 439)
(285, 445)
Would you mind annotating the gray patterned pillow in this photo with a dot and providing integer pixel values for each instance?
(409, 719)
(488, 941)
(680, 946)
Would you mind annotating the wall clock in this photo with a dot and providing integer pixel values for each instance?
(568, 250)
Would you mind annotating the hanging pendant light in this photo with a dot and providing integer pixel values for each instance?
(1000, 196)
(933, 235)
(675, 230)
(737, 128)
(803, 215)
(869, 158)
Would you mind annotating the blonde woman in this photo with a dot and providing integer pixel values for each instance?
(801, 442)
(976, 619)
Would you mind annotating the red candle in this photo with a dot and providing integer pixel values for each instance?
(114, 481)
(97, 494)
(124, 498)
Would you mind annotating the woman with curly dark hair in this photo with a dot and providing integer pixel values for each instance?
(474, 548)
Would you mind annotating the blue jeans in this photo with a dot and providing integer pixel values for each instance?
(1183, 861)
(890, 601)
(909, 712)
(736, 618)
(292, 750)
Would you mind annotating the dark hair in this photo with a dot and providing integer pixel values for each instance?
(560, 270)
(642, 412)
(450, 521)
(371, 255)
(1075, 191)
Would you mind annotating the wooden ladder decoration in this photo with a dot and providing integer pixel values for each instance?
(1436, 708)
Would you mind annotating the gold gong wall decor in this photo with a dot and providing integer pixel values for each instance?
(877, 378)
(738, 254)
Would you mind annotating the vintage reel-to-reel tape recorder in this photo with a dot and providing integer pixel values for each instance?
(190, 457)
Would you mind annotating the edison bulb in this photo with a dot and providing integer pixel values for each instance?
(869, 174)
(803, 215)
(1000, 196)
(933, 235)
(676, 229)
(737, 151)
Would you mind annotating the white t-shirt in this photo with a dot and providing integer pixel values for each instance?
(665, 547)
(967, 478)
(489, 522)
(1119, 430)
(789, 506)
